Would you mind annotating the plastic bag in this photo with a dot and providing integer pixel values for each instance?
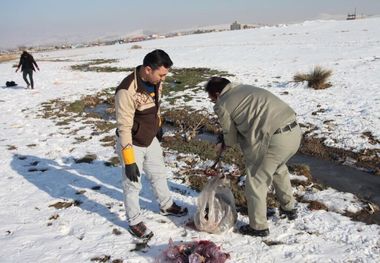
(216, 211)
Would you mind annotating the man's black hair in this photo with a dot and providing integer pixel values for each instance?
(156, 59)
(216, 85)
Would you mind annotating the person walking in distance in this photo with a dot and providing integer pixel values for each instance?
(137, 105)
(28, 65)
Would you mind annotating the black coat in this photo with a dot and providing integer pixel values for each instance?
(27, 62)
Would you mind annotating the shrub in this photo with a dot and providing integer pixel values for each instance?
(136, 47)
(316, 79)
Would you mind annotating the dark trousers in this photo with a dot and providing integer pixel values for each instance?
(25, 73)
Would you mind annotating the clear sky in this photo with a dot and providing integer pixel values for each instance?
(30, 22)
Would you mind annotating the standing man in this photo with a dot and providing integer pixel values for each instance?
(137, 104)
(27, 64)
(266, 130)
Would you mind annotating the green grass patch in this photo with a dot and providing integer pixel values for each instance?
(181, 79)
(90, 66)
(104, 126)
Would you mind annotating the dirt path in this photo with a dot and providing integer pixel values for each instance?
(8, 57)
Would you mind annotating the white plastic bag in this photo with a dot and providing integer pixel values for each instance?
(216, 211)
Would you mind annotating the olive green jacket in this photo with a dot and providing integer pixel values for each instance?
(249, 116)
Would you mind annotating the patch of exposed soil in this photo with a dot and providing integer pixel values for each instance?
(368, 159)
(8, 57)
(65, 204)
(300, 169)
(365, 216)
(315, 205)
(89, 158)
(371, 138)
(198, 122)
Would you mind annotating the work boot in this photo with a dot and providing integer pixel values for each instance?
(291, 214)
(141, 231)
(248, 230)
(174, 210)
(271, 211)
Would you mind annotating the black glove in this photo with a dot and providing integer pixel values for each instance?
(220, 139)
(160, 134)
(132, 172)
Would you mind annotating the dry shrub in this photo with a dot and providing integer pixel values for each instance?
(300, 169)
(91, 101)
(316, 79)
(136, 47)
(364, 216)
(88, 158)
(315, 205)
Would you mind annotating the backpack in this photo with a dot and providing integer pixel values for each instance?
(10, 83)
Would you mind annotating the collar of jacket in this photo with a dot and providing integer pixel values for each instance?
(139, 86)
(139, 82)
(228, 87)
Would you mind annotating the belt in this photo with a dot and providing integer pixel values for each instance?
(288, 127)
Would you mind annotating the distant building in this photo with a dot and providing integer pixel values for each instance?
(351, 16)
(235, 26)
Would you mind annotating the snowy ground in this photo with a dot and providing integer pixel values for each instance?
(38, 168)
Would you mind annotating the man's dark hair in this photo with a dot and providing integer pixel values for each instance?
(156, 59)
(216, 85)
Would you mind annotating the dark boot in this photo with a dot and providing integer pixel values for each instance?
(141, 231)
(291, 214)
(174, 210)
(248, 230)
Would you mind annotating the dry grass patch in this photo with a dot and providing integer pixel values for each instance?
(316, 79)
(8, 57)
(11, 147)
(300, 169)
(364, 216)
(315, 205)
(189, 120)
(136, 47)
(102, 258)
(368, 159)
(89, 158)
(113, 161)
(371, 138)
(66, 204)
(108, 141)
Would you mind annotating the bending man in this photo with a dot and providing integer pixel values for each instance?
(266, 130)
